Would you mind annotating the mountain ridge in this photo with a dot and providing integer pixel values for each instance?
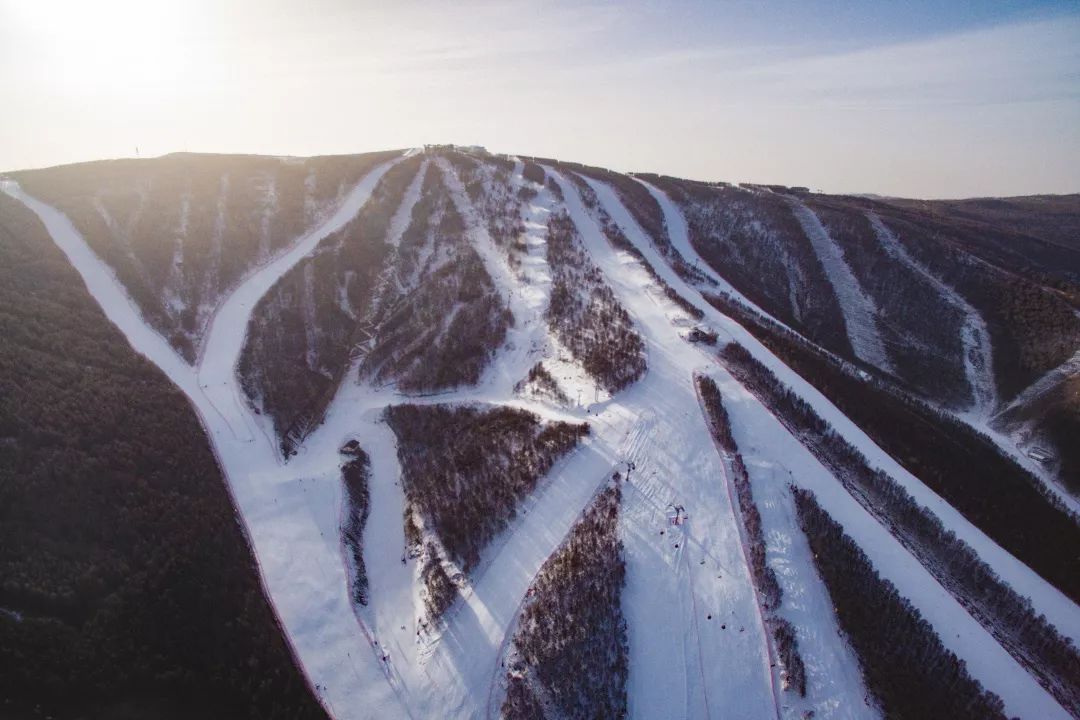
(578, 262)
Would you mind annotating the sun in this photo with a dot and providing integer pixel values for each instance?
(104, 46)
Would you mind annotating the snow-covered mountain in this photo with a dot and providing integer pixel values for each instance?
(517, 437)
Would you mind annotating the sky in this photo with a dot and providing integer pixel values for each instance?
(914, 98)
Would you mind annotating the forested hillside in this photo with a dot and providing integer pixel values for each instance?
(127, 589)
(752, 238)
(180, 230)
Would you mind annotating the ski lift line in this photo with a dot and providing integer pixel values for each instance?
(688, 538)
(685, 649)
(736, 512)
(697, 634)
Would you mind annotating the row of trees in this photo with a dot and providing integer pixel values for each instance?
(355, 476)
(768, 588)
(1048, 655)
(540, 381)
(534, 173)
(908, 670)
(569, 656)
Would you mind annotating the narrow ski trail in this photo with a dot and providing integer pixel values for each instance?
(978, 355)
(858, 309)
(679, 234)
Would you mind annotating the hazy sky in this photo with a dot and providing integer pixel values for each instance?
(902, 98)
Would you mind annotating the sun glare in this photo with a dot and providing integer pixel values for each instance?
(113, 45)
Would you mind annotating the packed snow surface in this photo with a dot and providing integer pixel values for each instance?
(374, 661)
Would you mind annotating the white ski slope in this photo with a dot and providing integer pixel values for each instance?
(978, 355)
(860, 313)
(986, 660)
(834, 683)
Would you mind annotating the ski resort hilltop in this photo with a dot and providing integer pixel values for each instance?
(451, 433)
